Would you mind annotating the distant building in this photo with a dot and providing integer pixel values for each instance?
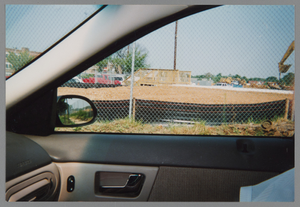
(16, 51)
(206, 82)
(235, 82)
(8, 66)
(92, 70)
(194, 81)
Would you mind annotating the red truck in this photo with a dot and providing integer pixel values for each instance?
(103, 79)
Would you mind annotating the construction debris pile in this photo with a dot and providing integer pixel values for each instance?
(270, 85)
(159, 77)
(229, 80)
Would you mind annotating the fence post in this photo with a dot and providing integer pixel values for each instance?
(133, 109)
(132, 79)
(293, 110)
(287, 103)
(224, 109)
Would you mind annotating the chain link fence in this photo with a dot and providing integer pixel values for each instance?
(175, 112)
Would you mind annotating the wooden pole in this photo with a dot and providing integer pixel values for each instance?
(293, 110)
(287, 103)
(133, 110)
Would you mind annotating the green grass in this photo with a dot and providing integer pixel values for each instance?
(259, 133)
(65, 120)
(275, 119)
(77, 129)
(236, 130)
(82, 115)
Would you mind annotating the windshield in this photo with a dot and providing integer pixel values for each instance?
(41, 26)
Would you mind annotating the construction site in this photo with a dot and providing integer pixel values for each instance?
(176, 86)
(168, 95)
(157, 104)
(199, 95)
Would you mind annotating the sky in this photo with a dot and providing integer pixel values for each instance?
(37, 27)
(246, 40)
(77, 103)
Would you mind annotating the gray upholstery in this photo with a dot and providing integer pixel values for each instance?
(197, 184)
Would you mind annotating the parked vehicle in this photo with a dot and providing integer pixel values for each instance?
(222, 84)
(103, 79)
(119, 77)
(75, 80)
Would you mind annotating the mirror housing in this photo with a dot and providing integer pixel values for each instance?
(74, 111)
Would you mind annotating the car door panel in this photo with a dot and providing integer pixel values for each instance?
(29, 186)
(28, 176)
(203, 184)
(183, 168)
(87, 181)
(260, 154)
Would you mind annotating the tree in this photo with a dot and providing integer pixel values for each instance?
(62, 106)
(245, 78)
(219, 75)
(256, 79)
(200, 77)
(19, 60)
(237, 76)
(208, 75)
(123, 59)
(271, 79)
(103, 63)
(217, 78)
(288, 79)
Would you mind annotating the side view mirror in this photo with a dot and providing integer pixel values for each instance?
(74, 111)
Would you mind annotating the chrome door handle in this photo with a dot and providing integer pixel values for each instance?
(132, 180)
(131, 188)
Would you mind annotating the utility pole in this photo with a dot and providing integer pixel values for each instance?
(175, 48)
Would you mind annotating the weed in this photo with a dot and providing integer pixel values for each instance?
(277, 119)
(236, 130)
(76, 129)
(259, 133)
(250, 120)
(199, 121)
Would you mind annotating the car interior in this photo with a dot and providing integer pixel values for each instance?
(47, 164)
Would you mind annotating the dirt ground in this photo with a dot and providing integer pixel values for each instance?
(176, 94)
